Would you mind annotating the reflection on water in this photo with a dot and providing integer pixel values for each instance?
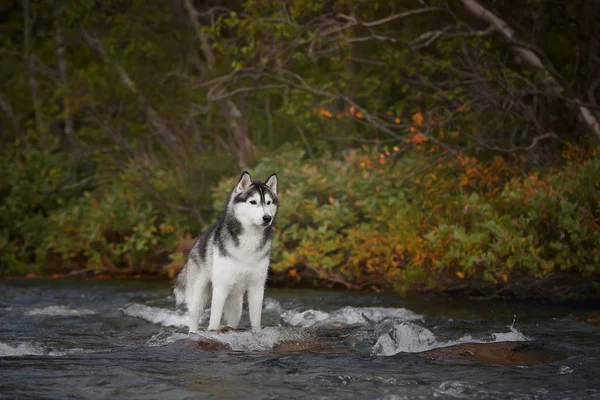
(126, 339)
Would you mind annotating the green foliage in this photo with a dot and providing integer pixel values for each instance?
(163, 105)
(365, 221)
(54, 219)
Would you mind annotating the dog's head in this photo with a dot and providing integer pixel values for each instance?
(255, 202)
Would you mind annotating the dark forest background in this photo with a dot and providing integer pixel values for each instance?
(420, 145)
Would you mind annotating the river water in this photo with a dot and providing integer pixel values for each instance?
(69, 339)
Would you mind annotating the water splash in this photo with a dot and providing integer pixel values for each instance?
(178, 318)
(454, 389)
(564, 370)
(160, 316)
(265, 340)
(347, 316)
(59, 311)
(407, 337)
(34, 349)
(272, 305)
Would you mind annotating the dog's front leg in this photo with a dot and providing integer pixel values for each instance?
(219, 295)
(255, 300)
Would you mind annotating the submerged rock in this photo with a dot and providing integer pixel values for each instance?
(501, 353)
(332, 341)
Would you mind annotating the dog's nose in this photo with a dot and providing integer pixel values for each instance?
(267, 218)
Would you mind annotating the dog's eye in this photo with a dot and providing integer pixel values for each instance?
(268, 202)
(252, 201)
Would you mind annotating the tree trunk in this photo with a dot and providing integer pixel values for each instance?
(10, 114)
(156, 121)
(236, 122)
(40, 122)
(69, 131)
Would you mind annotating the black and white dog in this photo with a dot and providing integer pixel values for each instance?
(232, 258)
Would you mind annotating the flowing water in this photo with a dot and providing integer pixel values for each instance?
(73, 339)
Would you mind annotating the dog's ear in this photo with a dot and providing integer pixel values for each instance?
(272, 183)
(244, 183)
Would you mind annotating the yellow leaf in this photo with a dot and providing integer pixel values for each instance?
(418, 118)
(460, 275)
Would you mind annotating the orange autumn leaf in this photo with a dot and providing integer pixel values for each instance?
(397, 120)
(352, 109)
(418, 118)
(324, 112)
(418, 138)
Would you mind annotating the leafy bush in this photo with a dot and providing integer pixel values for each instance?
(53, 218)
(373, 218)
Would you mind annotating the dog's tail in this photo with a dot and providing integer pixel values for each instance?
(180, 287)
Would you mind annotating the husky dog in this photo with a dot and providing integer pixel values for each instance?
(232, 257)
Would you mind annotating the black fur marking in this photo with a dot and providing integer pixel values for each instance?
(234, 229)
(261, 193)
(256, 187)
(202, 243)
(223, 248)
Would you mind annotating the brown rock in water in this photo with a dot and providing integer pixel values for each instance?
(311, 346)
(503, 353)
(213, 345)
(332, 342)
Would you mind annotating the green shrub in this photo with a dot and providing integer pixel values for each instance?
(368, 219)
(57, 214)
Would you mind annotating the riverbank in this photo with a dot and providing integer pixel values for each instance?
(481, 228)
(556, 289)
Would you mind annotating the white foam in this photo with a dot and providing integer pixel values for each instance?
(347, 316)
(236, 341)
(33, 349)
(22, 349)
(455, 389)
(178, 318)
(157, 315)
(60, 311)
(564, 370)
(272, 305)
(407, 337)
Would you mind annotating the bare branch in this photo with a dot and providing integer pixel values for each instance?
(157, 122)
(10, 114)
(393, 17)
(63, 73)
(530, 57)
